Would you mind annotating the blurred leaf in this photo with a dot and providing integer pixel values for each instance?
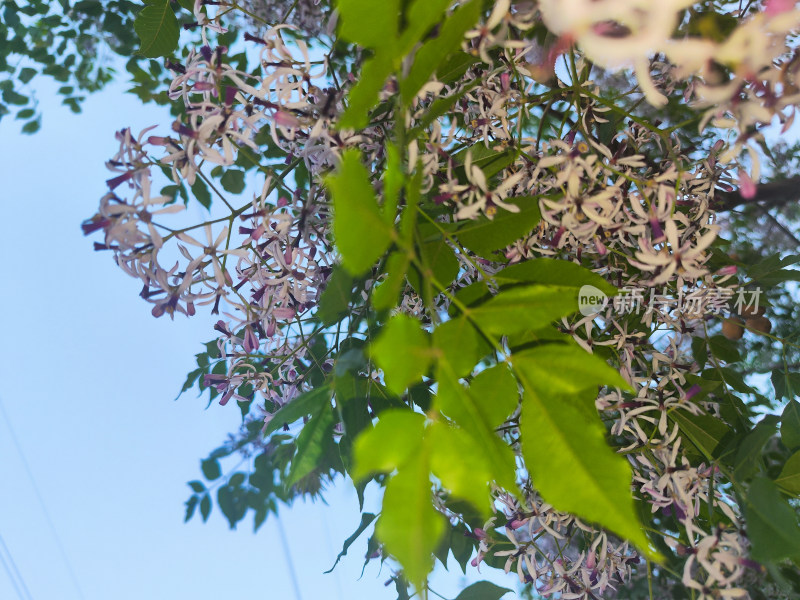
(232, 181)
(790, 425)
(402, 350)
(789, 479)
(210, 469)
(336, 297)
(771, 523)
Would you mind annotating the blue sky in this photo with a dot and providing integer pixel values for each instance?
(89, 381)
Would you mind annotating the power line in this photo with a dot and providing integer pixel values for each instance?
(16, 571)
(289, 562)
(49, 520)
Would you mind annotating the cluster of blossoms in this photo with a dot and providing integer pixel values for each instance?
(633, 199)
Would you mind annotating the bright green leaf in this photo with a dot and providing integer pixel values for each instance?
(460, 464)
(361, 22)
(364, 94)
(360, 232)
(432, 53)
(558, 438)
(402, 350)
(459, 344)
(409, 526)
(565, 369)
(524, 308)
(389, 444)
(554, 272)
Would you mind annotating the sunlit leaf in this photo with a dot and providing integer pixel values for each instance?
(402, 350)
(360, 232)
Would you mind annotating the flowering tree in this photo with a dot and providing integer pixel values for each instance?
(472, 252)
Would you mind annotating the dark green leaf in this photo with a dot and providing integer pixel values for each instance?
(305, 404)
(157, 28)
(201, 193)
(233, 181)
(771, 523)
(205, 507)
(197, 486)
(724, 349)
(748, 457)
(790, 425)
(554, 272)
(704, 431)
(335, 300)
(210, 468)
(483, 590)
(311, 443)
(484, 236)
(366, 520)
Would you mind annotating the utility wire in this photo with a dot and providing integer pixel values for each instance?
(16, 571)
(49, 520)
(11, 577)
(289, 562)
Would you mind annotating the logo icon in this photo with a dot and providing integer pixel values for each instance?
(591, 300)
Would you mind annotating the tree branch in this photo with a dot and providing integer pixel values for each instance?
(769, 194)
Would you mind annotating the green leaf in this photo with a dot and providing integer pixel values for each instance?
(366, 520)
(364, 94)
(484, 236)
(311, 443)
(389, 444)
(439, 261)
(201, 193)
(724, 349)
(386, 294)
(157, 28)
(362, 23)
(459, 344)
(305, 404)
(487, 160)
(771, 523)
(360, 232)
(554, 272)
(32, 126)
(454, 67)
(479, 410)
(566, 369)
(523, 308)
(785, 386)
(26, 74)
(704, 431)
(748, 457)
(409, 526)
(233, 181)
(790, 425)
(460, 464)
(789, 479)
(431, 54)
(558, 437)
(402, 350)
(205, 507)
(210, 469)
(197, 486)
(335, 299)
(483, 590)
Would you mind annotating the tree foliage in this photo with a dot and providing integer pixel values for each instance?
(513, 263)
